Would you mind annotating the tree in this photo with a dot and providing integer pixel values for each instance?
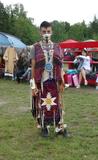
(14, 20)
(20, 25)
(78, 31)
(67, 26)
(26, 31)
(93, 26)
(59, 32)
(3, 18)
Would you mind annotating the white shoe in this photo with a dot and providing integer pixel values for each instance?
(86, 83)
(78, 86)
(66, 85)
(58, 129)
(38, 126)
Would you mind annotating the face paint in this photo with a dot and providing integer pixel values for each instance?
(46, 37)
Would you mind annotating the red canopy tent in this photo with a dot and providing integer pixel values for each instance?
(76, 44)
(69, 41)
(91, 45)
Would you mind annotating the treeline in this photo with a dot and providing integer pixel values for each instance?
(14, 20)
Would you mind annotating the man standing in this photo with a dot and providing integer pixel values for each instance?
(47, 83)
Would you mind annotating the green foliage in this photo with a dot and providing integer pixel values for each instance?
(21, 25)
(26, 31)
(3, 18)
(14, 20)
(94, 28)
(58, 31)
(78, 31)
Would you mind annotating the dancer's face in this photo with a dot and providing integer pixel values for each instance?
(46, 33)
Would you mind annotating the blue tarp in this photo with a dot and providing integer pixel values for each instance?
(10, 40)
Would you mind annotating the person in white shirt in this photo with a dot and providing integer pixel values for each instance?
(85, 68)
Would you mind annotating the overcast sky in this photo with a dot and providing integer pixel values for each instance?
(72, 11)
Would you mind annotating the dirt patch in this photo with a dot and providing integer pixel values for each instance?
(23, 109)
(2, 103)
(18, 110)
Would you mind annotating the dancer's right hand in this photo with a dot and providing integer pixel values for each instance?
(34, 91)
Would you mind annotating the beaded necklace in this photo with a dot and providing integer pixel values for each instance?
(48, 53)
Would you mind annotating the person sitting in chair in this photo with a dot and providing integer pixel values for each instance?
(85, 67)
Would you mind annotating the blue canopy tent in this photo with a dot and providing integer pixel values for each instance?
(10, 40)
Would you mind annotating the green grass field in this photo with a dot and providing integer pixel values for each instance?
(21, 140)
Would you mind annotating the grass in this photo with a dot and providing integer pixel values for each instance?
(21, 140)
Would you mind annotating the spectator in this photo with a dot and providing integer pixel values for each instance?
(22, 65)
(84, 68)
(95, 58)
(27, 74)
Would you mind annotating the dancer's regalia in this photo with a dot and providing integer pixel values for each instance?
(46, 106)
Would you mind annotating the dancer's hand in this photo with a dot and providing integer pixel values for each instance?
(34, 91)
(33, 87)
